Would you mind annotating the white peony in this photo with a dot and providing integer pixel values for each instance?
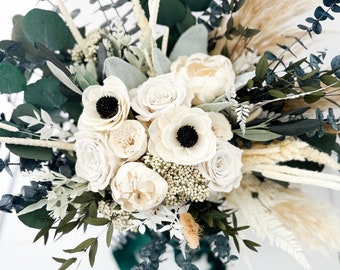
(105, 107)
(159, 93)
(129, 142)
(206, 76)
(182, 135)
(224, 170)
(96, 161)
(220, 126)
(137, 187)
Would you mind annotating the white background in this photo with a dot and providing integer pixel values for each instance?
(16, 249)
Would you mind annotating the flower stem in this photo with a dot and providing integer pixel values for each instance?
(39, 143)
(73, 28)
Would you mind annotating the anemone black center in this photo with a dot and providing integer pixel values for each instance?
(187, 136)
(107, 107)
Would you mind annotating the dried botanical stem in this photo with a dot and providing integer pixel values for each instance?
(40, 143)
(73, 28)
(8, 127)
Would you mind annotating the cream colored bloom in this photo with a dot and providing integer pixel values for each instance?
(206, 76)
(225, 169)
(182, 135)
(159, 93)
(96, 161)
(220, 126)
(129, 142)
(137, 187)
(105, 107)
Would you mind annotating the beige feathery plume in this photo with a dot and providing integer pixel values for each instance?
(315, 224)
(273, 18)
(288, 149)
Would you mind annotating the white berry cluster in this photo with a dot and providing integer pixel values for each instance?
(185, 182)
(120, 218)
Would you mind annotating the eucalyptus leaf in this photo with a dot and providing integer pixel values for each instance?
(37, 219)
(109, 234)
(260, 135)
(170, 11)
(97, 221)
(128, 74)
(64, 78)
(93, 252)
(216, 106)
(161, 62)
(261, 67)
(12, 79)
(195, 5)
(31, 152)
(45, 27)
(67, 263)
(296, 127)
(83, 77)
(335, 64)
(82, 246)
(45, 94)
(193, 40)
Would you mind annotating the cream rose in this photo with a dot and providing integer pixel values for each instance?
(182, 135)
(206, 76)
(105, 107)
(137, 187)
(96, 161)
(159, 93)
(225, 169)
(220, 126)
(129, 142)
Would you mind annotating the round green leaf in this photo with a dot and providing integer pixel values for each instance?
(197, 5)
(45, 94)
(12, 79)
(30, 152)
(24, 109)
(170, 11)
(37, 219)
(188, 21)
(45, 27)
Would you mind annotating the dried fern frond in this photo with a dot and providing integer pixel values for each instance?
(255, 212)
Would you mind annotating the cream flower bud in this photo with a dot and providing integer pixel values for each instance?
(105, 107)
(159, 93)
(225, 169)
(206, 76)
(96, 162)
(129, 142)
(220, 126)
(137, 187)
(182, 135)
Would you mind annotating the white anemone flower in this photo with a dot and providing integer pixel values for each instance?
(182, 135)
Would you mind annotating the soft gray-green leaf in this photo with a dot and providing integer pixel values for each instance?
(161, 62)
(193, 40)
(129, 75)
(84, 77)
(260, 135)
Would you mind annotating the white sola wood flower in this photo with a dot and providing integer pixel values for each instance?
(137, 187)
(182, 135)
(224, 170)
(129, 142)
(206, 76)
(96, 161)
(159, 93)
(105, 107)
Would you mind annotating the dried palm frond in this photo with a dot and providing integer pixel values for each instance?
(267, 16)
